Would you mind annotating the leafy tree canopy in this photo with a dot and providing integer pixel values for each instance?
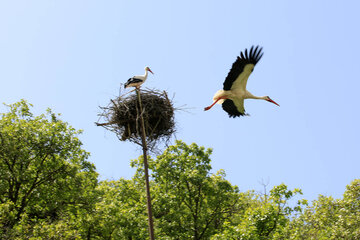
(44, 172)
(48, 190)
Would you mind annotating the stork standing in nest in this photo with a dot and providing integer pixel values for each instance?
(234, 92)
(136, 81)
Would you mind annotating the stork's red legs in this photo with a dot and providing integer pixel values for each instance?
(207, 108)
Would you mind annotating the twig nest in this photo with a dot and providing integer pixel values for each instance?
(123, 116)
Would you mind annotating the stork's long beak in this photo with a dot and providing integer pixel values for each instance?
(150, 71)
(272, 101)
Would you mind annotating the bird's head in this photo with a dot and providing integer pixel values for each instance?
(148, 69)
(267, 98)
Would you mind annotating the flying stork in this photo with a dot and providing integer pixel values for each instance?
(136, 81)
(234, 93)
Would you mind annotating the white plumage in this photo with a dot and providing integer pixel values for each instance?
(234, 92)
(137, 81)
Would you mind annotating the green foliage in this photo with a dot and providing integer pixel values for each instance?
(189, 202)
(49, 191)
(329, 218)
(120, 212)
(264, 218)
(44, 173)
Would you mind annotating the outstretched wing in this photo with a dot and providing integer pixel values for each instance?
(234, 108)
(242, 68)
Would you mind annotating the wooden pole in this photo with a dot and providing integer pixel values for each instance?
(146, 169)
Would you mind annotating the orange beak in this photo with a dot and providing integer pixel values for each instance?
(150, 71)
(272, 101)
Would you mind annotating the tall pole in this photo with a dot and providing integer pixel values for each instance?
(146, 169)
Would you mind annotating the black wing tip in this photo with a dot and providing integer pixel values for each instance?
(229, 107)
(239, 115)
(253, 56)
(245, 57)
(127, 83)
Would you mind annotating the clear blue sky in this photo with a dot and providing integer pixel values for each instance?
(72, 56)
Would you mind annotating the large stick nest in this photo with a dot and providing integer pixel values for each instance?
(122, 117)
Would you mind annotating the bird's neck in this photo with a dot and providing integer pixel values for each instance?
(146, 73)
(250, 96)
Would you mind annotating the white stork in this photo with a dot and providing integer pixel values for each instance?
(234, 92)
(136, 81)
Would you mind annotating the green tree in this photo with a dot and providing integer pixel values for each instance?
(329, 218)
(189, 202)
(120, 212)
(45, 177)
(348, 224)
(265, 217)
(48, 190)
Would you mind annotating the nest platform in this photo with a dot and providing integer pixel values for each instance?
(122, 116)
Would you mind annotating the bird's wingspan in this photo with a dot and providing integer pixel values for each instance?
(242, 68)
(234, 108)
